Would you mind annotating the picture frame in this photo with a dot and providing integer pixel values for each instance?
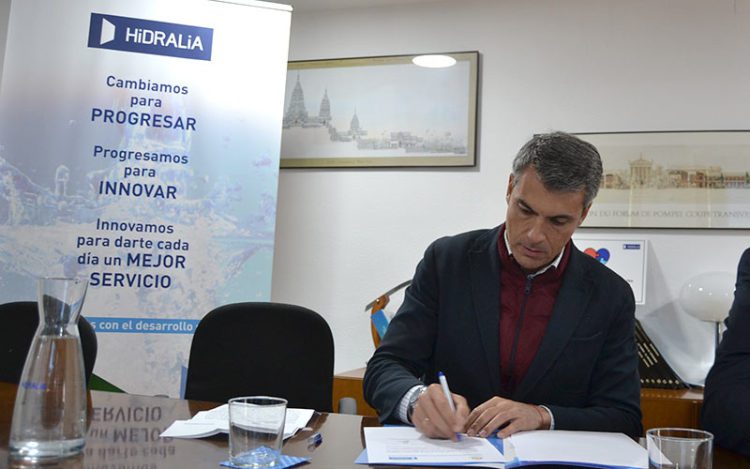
(672, 179)
(380, 111)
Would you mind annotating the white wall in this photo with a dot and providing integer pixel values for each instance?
(344, 236)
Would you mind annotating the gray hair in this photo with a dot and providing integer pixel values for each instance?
(564, 163)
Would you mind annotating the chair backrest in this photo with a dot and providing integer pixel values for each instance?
(267, 349)
(19, 322)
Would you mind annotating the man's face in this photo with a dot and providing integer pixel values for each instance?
(539, 223)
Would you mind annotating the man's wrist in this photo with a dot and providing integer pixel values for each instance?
(548, 420)
(413, 402)
(403, 406)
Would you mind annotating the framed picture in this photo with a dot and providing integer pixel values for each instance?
(380, 112)
(672, 180)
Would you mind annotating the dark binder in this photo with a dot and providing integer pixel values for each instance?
(654, 370)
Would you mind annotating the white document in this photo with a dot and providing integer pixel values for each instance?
(405, 445)
(594, 448)
(628, 258)
(211, 422)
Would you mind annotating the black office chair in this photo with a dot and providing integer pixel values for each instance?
(268, 349)
(19, 322)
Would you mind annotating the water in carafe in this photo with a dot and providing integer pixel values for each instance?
(49, 417)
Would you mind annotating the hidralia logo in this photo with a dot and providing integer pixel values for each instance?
(150, 37)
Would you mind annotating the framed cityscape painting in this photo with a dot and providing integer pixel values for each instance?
(672, 180)
(380, 112)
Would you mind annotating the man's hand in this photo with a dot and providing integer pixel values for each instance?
(498, 412)
(433, 416)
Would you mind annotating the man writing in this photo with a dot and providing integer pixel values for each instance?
(531, 333)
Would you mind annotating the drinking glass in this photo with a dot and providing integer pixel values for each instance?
(256, 430)
(679, 448)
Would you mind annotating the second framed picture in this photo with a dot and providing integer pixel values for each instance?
(672, 180)
(380, 112)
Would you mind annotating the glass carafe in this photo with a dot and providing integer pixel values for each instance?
(49, 417)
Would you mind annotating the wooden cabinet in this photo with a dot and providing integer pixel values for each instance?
(349, 384)
(660, 407)
(671, 408)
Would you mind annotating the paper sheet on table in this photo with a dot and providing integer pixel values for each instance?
(596, 448)
(211, 422)
(405, 445)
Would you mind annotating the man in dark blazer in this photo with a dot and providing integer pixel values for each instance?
(726, 403)
(530, 332)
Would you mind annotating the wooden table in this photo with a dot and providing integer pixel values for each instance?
(124, 432)
(660, 407)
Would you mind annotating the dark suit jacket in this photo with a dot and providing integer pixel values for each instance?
(586, 368)
(726, 404)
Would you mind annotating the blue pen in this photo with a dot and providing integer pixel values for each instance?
(314, 441)
(447, 392)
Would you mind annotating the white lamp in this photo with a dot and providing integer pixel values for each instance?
(708, 297)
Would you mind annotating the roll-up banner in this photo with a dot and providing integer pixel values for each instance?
(139, 148)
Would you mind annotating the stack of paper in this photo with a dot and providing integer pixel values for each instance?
(597, 449)
(406, 446)
(211, 422)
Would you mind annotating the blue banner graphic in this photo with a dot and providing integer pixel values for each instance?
(151, 176)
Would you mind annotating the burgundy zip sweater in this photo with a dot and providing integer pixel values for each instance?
(526, 303)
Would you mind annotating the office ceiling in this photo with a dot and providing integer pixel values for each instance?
(313, 5)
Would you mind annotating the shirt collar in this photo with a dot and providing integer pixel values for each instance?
(553, 264)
